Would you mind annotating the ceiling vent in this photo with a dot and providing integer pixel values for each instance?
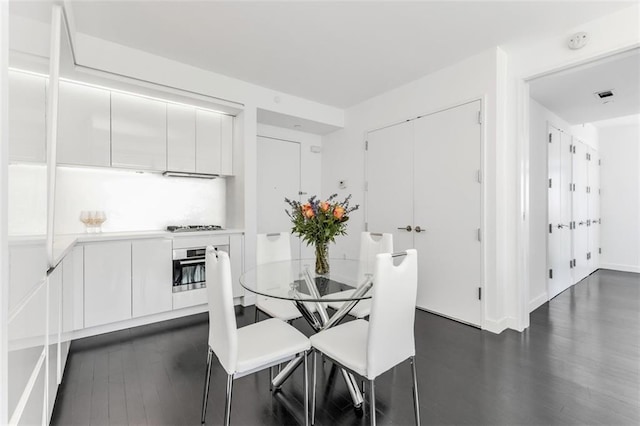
(605, 96)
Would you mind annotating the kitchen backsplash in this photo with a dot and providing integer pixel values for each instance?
(132, 201)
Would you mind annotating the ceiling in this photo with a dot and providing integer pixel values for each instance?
(336, 53)
(571, 93)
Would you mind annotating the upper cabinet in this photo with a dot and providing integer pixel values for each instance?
(208, 147)
(27, 124)
(199, 141)
(181, 138)
(138, 132)
(84, 129)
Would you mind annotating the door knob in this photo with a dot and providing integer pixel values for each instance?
(418, 229)
(407, 228)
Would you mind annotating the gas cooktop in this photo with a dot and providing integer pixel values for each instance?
(193, 228)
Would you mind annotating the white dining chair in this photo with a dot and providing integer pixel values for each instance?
(371, 348)
(246, 350)
(276, 248)
(371, 244)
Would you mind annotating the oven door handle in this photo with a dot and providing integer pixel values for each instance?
(191, 261)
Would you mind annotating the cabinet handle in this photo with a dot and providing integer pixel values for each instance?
(407, 228)
(418, 229)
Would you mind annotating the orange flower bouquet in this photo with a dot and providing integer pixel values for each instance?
(319, 222)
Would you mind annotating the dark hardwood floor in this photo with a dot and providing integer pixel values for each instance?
(578, 363)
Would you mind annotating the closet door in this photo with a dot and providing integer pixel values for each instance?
(594, 210)
(447, 209)
(559, 238)
(580, 210)
(389, 203)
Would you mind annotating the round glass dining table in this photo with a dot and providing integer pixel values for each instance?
(348, 281)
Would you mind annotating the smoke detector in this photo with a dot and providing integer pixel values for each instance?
(578, 41)
(605, 96)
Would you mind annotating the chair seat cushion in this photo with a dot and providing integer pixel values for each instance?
(361, 310)
(266, 342)
(283, 309)
(346, 344)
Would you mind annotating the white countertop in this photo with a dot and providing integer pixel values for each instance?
(62, 244)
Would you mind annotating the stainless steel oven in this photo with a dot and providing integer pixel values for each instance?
(189, 267)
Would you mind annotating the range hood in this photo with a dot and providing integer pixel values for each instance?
(190, 175)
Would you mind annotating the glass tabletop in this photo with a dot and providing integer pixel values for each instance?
(290, 280)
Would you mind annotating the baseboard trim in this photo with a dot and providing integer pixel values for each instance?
(496, 326)
(622, 268)
(538, 301)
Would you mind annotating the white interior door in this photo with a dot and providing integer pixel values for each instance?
(594, 210)
(559, 204)
(447, 197)
(580, 211)
(390, 183)
(278, 177)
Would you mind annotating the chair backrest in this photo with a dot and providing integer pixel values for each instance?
(273, 247)
(372, 244)
(393, 310)
(223, 333)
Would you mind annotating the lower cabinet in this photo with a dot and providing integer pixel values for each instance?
(107, 282)
(152, 276)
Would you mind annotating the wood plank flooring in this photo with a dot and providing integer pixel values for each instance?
(578, 363)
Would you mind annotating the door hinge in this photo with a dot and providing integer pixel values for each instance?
(574, 187)
(550, 273)
(479, 176)
(366, 145)
(574, 149)
(570, 264)
(570, 149)
(588, 157)
(570, 187)
(479, 235)
(550, 229)
(549, 182)
(588, 255)
(599, 250)
(574, 263)
(550, 137)
(366, 226)
(599, 162)
(479, 117)
(479, 293)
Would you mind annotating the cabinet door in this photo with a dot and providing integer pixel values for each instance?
(236, 256)
(27, 102)
(181, 138)
(107, 283)
(207, 142)
(73, 291)
(55, 314)
(152, 276)
(84, 129)
(226, 145)
(138, 133)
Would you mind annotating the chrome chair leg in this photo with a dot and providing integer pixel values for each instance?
(313, 387)
(227, 407)
(372, 402)
(416, 405)
(207, 380)
(306, 391)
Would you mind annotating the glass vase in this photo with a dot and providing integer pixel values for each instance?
(322, 258)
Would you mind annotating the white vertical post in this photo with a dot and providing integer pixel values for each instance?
(52, 123)
(4, 246)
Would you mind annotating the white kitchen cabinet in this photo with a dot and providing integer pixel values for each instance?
(138, 132)
(226, 145)
(107, 282)
(73, 290)
(27, 124)
(181, 138)
(152, 276)
(208, 134)
(84, 125)
(236, 257)
(55, 314)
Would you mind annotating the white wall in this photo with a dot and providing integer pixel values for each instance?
(620, 197)
(539, 118)
(344, 155)
(132, 201)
